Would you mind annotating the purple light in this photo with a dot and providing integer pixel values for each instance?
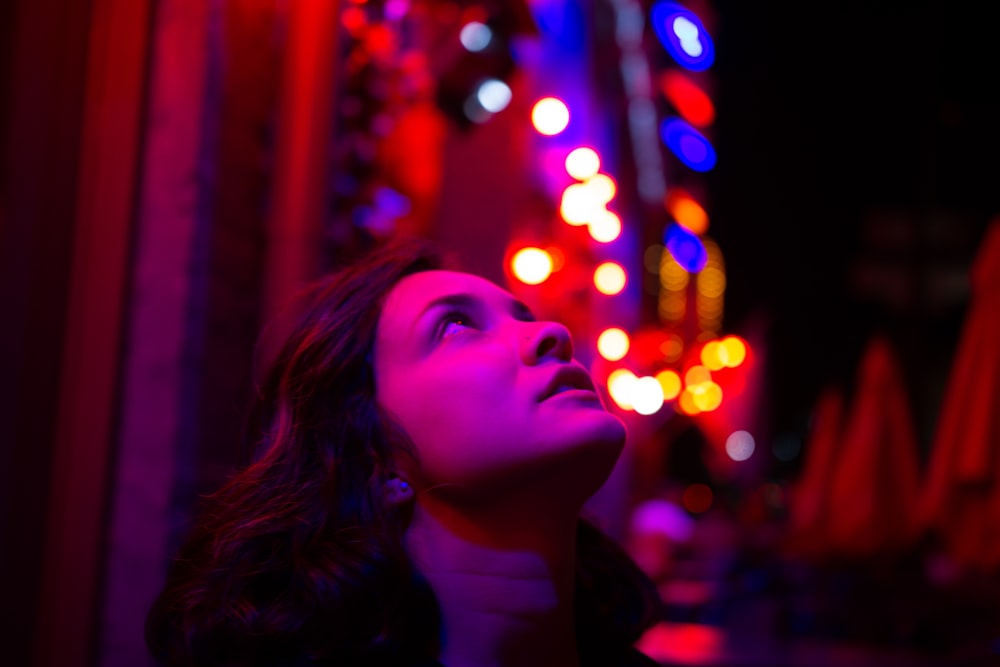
(688, 144)
(686, 248)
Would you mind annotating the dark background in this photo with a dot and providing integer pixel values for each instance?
(858, 147)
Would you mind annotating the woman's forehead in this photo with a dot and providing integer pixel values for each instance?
(411, 295)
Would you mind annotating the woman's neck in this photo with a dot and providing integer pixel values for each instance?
(505, 588)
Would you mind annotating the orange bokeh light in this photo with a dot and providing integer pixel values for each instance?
(686, 403)
(686, 211)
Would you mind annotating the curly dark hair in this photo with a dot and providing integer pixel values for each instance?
(296, 561)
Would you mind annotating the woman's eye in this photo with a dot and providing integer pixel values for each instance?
(454, 323)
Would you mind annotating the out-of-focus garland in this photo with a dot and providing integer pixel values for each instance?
(384, 72)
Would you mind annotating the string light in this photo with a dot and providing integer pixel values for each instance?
(550, 116)
(613, 344)
(583, 163)
(531, 266)
(610, 278)
(605, 226)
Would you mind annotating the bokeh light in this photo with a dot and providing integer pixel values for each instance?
(578, 205)
(697, 498)
(494, 95)
(691, 102)
(686, 403)
(710, 356)
(740, 445)
(688, 144)
(475, 36)
(682, 34)
(602, 187)
(686, 248)
(686, 211)
(583, 163)
(670, 382)
(621, 385)
(550, 116)
(610, 278)
(605, 226)
(647, 395)
(732, 351)
(531, 266)
(696, 375)
(786, 447)
(707, 396)
(613, 344)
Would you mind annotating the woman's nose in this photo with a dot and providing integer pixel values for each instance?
(542, 340)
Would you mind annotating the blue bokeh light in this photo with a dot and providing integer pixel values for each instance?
(683, 35)
(688, 144)
(686, 248)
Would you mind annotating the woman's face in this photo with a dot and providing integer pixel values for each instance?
(488, 395)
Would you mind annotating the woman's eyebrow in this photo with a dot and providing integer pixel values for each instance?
(460, 300)
(465, 300)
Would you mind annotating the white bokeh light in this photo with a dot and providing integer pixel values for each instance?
(475, 36)
(647, 395)
(740, 445)
(687, 33)
(494, 95)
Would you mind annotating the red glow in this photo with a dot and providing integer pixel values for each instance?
(697, 498)
(690, 101)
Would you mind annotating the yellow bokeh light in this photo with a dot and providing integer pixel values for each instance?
(605, 226)
(711, 282)
(610, 278)
(621, 384)
(531, 265)
(707, 396)
(670, 382)
(578, 205)
(602, 187)
(697, 375)
(710, 356)
(550, 116)
(736, 351)
(686, 403)
(583, 163)
(613, 344)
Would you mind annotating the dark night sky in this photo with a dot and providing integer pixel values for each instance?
(857, 138)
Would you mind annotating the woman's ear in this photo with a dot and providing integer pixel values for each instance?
(397, 491)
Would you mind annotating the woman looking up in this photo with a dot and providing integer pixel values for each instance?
(424, 447)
